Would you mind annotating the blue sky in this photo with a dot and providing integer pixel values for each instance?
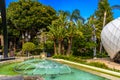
(86, 7)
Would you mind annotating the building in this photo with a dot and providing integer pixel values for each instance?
(110, 37)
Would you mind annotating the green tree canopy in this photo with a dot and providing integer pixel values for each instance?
(103, 6)
(29, 15)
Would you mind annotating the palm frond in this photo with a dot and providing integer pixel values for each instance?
(116, 7)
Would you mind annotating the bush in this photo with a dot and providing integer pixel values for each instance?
(98, 64)
(80, 60)
(28, 46)
(71, 58)
(1, 47)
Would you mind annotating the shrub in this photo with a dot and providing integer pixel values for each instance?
(1, 47)
(71, 58)
(98, 64)
(80, 60)
(28, 46)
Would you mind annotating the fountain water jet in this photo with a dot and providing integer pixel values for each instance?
(41, 67)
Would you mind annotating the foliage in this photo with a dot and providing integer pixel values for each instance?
(83, 46)
(71, 58)
(1, 47)
(67, 34)
(116, 7)
(103, 6)
(28, 16)
(98, 64)
(83, 61)
(49, 47)
(28, 46)
(57, 31)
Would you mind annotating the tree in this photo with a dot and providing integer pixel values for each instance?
(82, 42)
(28, 46)
(76, 15)
(103, 6)
(71, 30)
(28, 16)
(103, 16)
(116, 7)
(52, 36)
(63, 30)
(57, 31)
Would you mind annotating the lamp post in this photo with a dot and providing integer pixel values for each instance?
(42, 38)
(94, 39)
(5, 36)
(26, 37)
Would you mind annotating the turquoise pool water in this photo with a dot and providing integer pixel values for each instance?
(49, 70)
(75, 75)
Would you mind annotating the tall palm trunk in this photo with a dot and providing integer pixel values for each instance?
(69, 46)
(59, 47)
(104, 21)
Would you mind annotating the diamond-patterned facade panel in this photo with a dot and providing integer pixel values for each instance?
(110, 37)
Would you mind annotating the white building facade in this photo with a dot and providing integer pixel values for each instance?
(110, 37)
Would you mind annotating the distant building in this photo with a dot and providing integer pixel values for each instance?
(110, 37)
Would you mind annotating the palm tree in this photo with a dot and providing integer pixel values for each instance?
(57, 31)
(76, 15)
(116, 7)
(52, 34)
(104, 21)
(70, 34)
(64, 27)
(61, 32)
(71, 30)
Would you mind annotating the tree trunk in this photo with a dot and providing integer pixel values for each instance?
(59, 47)
(69, 46)
(55, 52)
(62, 48)
(104, 22)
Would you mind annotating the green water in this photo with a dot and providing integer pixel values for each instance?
(8, 69)
(74, 75)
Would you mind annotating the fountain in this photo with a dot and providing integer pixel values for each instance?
(41, 67)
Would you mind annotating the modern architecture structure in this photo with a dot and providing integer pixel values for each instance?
(110, 37)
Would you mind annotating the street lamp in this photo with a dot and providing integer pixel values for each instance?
(42, 38)
(26, 37)
(94, 39)
(5, 36)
